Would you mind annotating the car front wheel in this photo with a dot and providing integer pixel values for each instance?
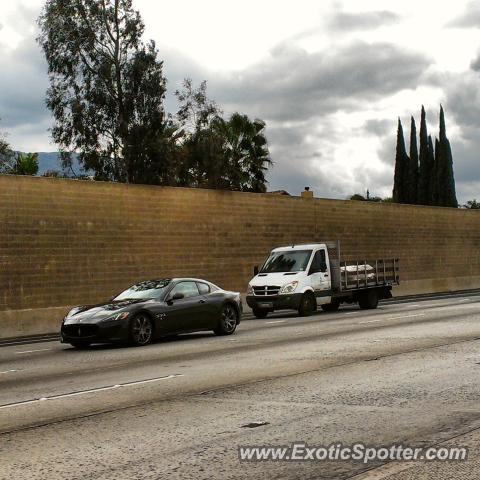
(141, 330)
(228, 320)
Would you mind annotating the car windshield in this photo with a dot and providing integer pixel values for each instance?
(287, 261)
(145, 290)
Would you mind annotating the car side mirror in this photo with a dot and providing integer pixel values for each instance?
(255, 270)
(177, 296)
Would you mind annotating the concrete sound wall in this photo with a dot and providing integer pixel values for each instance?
(66, 242)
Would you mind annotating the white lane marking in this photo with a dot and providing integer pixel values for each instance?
(350, 313)
(414, 305)
(276, 321)
(464, 300)
(372, 321)
(407, 316)
(9, 371)
(33, 351)
(91, 390)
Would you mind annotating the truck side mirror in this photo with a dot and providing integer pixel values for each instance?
(255, 270)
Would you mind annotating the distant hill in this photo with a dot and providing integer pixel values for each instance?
(51, 161)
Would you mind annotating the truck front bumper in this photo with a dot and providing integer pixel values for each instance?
(274, 302)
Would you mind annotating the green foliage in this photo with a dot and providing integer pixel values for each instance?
(5, 154)
(106, 88)
(411, 177)
(425, 168)
(367, 198)
(432, 181)
(196, 111)
(245, 150)
(17, 163)
(446, 195)
(219, 153)
(400, 193)
(26, 164)
(473, 204)
(107, 92)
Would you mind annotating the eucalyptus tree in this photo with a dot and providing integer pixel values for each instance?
(106, 89)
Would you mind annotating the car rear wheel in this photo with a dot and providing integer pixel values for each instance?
(141, 330)
(308, 304)
(228, 320)
(260, 312)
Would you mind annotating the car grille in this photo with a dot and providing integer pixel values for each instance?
(80, 331)
(266, 291)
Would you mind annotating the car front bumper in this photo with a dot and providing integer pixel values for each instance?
(95, 332)
(274, 302)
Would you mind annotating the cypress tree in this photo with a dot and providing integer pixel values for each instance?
(446, 181)
(436, 174)
(412, 175)
(401, 167)
(430, 173)
(425, 168)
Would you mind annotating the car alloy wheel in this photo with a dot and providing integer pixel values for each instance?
(141, 330)
(229, 319)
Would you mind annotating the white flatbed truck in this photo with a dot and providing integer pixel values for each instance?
(305, 277)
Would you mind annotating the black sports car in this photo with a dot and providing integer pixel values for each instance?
(152, 309)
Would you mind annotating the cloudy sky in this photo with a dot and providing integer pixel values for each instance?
(330, 78)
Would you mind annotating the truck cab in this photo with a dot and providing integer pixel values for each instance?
(294, 277)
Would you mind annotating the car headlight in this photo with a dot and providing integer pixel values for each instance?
(289, 287)
(249, 290)
(118, 316)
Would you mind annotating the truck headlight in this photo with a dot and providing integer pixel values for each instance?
(289, 287)
(249, 290)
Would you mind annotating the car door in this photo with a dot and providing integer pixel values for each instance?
(187, 313)
(212, 306)
(319, 274)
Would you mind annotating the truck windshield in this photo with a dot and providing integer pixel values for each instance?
(287, 261)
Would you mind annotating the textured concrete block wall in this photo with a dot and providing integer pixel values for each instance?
(65, 242)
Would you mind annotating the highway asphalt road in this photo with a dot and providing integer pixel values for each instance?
(407, 373)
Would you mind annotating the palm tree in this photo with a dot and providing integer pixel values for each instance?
(246, 151)
(26, 164)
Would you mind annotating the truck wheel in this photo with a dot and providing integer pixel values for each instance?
(332, 306)
(369, 300)
(260, 312)
(308, 304)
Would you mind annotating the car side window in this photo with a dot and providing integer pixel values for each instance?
(319, 262)
(203, 288)
(189, 289)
